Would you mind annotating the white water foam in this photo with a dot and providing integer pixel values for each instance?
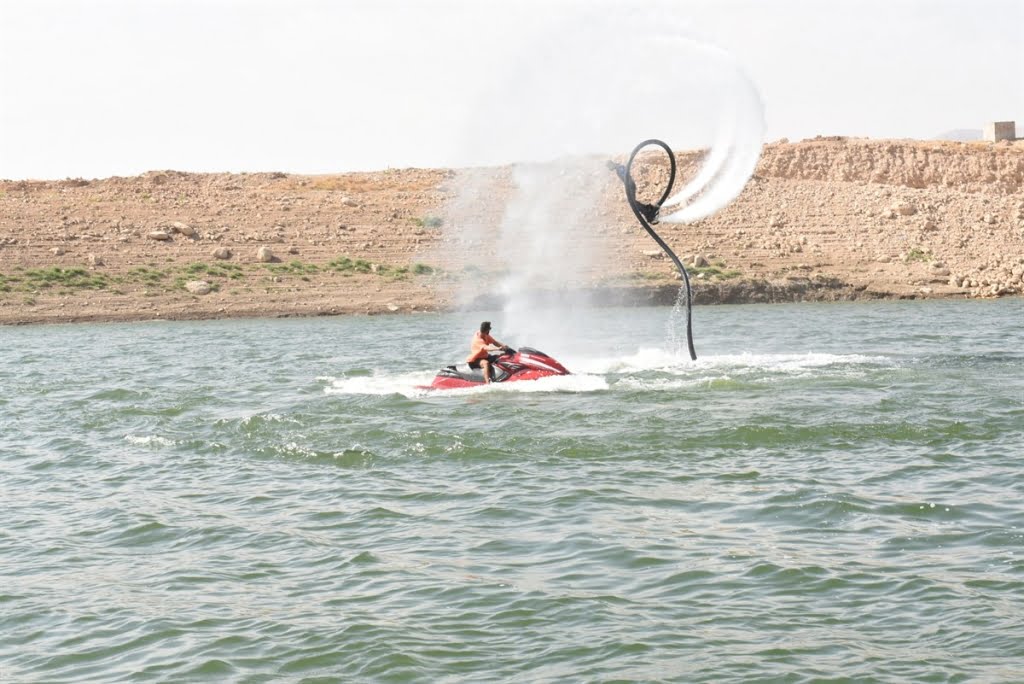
(635, 371)
(632, 371)
(268, 417)
(661, 360)
(149, 440)
(380, 384)
(555, 383)
(417, 384)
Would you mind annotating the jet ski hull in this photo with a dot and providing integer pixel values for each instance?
(525, 364)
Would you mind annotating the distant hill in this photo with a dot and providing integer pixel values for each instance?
(961, 134)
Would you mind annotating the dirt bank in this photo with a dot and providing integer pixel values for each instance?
(822, 219)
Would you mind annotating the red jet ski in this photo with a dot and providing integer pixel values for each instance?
(509, 366)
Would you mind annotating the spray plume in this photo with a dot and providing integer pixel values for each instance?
(581, 85)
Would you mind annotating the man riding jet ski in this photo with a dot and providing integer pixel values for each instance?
(480, 350)
(483, 367)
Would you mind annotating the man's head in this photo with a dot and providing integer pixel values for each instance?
(485, 327)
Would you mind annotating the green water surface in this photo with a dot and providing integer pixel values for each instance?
(830, 492)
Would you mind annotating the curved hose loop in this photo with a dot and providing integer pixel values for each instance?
(645, 219)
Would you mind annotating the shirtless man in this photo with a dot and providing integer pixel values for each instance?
(480, 349)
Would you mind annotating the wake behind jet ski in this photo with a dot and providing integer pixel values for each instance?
(509, 366)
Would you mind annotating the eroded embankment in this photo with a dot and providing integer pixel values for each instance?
(822, 219)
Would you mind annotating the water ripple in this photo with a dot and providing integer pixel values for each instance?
(786, 509)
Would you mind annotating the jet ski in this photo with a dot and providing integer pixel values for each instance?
(508, 366)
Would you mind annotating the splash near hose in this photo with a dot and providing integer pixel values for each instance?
(647, 215)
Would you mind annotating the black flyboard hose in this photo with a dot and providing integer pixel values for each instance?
(645, 221)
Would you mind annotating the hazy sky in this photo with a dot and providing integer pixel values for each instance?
(116, 87)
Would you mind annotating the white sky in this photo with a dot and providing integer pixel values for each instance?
(116, 87)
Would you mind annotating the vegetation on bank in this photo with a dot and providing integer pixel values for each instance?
(215, 270)
(429, 221)
(70, 280)
(42, 278)
(348, 267)
(917, 254)
(718, 271)
(712, 272)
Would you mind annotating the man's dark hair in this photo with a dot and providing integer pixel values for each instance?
(485, 326)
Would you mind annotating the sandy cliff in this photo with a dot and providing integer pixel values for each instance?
(829, 218)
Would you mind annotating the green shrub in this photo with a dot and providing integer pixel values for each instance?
(917, 254)
(429, 221)
(346, 265)
(294, 267)
(146, 275)
(74, 278)
(424, 269)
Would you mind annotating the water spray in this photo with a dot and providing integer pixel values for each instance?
(647, 215)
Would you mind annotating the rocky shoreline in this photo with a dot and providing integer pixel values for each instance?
(822, 220)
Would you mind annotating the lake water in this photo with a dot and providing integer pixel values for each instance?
(829, 492)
